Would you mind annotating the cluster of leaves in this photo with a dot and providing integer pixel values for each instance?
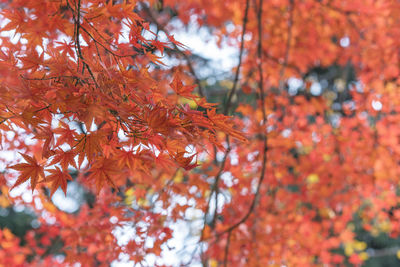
(84, 90)
(77, 97)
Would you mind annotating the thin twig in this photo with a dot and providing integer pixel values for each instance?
(234, 86)
(78, 45)
(215, 187)
(264, 122)
(228, 241)
(104, 47)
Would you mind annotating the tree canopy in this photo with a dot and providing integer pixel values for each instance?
(291, 158)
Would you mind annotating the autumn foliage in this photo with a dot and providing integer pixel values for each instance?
(99, 94)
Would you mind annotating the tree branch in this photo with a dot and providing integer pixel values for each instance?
(264, 122)
(234, 86)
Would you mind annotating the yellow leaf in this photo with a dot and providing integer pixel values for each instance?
(213, 263)
(178, 177)
(129, 192)
(326, 157)
(348, 250)
(129, 196)
(359, 245)
(384, 226)
(363, 256)
(192, 104)
(312, 178)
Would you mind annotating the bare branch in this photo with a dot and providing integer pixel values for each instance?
(234, 86)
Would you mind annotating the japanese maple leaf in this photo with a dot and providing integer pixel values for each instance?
(179, 88)
(126, 158)
(66, 134)
(66, 48)
(32, 169)
(185, 162)
(65, 158)
(48, 137)
(102, 171)
(89, 146)
(221, 122)
(59, 178)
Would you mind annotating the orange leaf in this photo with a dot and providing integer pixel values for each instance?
(179, 88)
(104, 170)
(32, 170)
(59, 178)
(64, 158)
(185, 162)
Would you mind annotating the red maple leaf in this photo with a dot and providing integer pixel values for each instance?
(32, 169)
(59, 178)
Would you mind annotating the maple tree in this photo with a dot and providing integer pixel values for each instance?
(285, 159)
